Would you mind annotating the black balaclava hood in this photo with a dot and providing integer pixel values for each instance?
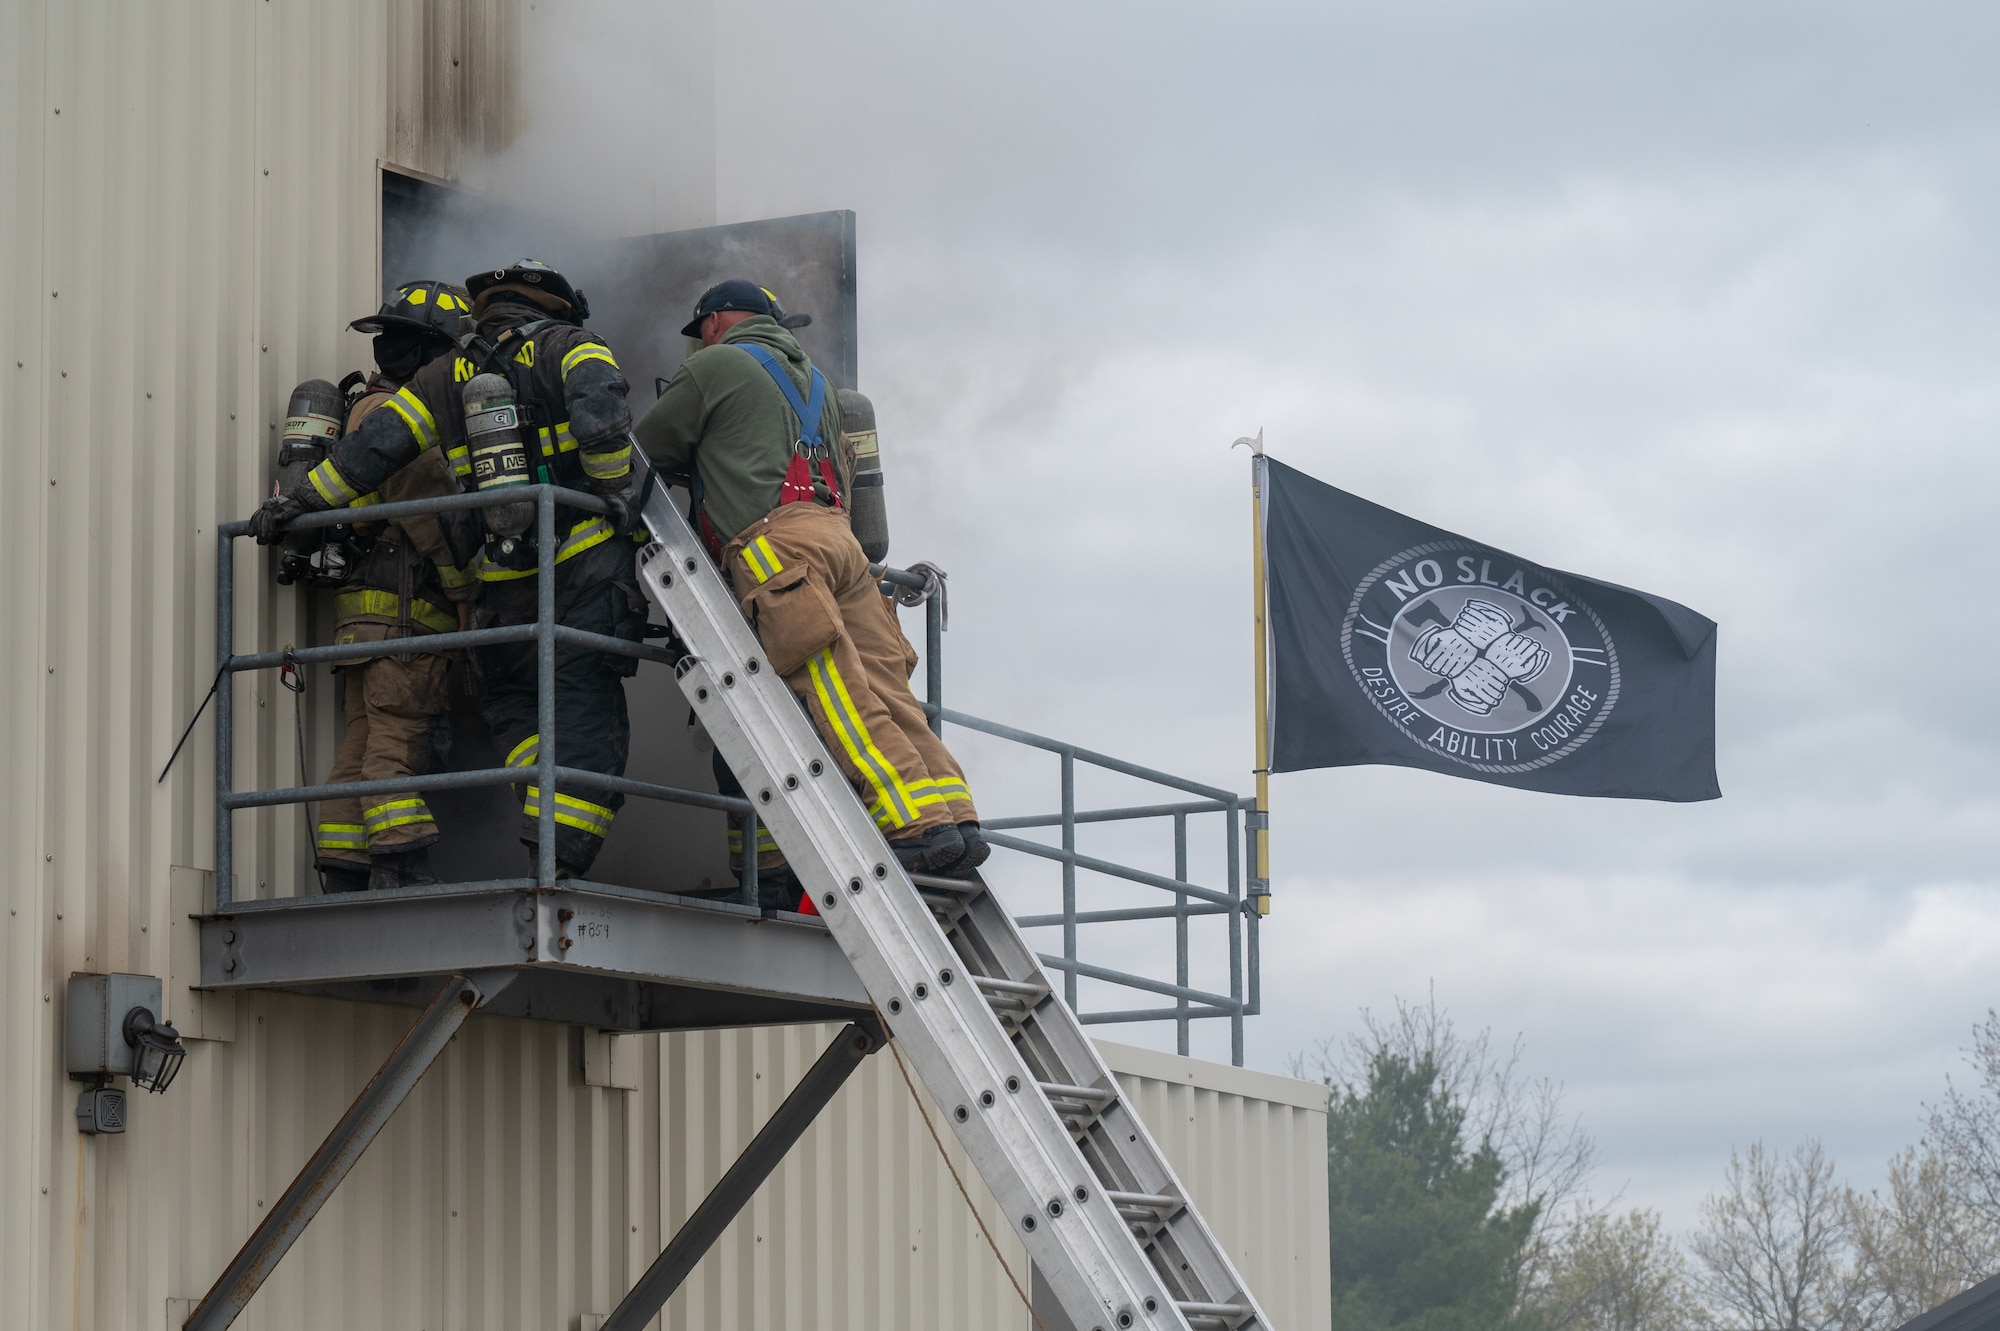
(399, 352)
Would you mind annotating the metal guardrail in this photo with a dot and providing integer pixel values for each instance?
(1245, 996)
(1190, 900)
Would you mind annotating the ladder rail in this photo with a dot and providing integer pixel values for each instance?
(1051, 1164)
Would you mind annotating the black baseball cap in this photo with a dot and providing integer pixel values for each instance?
(739, 294)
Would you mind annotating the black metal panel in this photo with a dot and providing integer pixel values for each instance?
(641, 288)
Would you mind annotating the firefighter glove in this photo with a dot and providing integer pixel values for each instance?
(618, 510)
(267, 524)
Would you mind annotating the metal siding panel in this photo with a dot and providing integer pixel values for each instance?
(1251, 1149)
(28, 1113)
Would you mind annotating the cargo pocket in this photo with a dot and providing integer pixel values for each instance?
(794, 616)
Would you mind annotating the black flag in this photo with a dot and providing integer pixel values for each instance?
(1395, 642)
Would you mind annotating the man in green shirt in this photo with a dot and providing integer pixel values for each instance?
(755, 430)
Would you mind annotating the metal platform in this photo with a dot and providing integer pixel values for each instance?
(590, 954)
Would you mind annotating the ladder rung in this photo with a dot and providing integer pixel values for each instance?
(1150, 1201)
(964, 887)
(1007, 1001)
(1228, 1312)
(1055, 1090)
(994, 984)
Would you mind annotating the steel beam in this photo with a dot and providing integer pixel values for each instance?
(364, 1119)
(595, 928)
(733, 1193)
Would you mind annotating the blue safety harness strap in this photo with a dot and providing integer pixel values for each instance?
(807, 409)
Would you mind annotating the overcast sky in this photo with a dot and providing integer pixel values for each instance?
(1694, 297)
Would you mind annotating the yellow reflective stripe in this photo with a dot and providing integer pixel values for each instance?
(341, 836)
(460, 459)
(572, 812)
(762, 559)
(369, 601)
(453, 576)
(608, 465)
(765, 841)
(332, 486)
(884, 819)
(890, 792)
(581, 537)
(372, 497)
(525, 753)
(396, 813)
(565, 441)
(929, 792)
(415, 415)
(584, 351)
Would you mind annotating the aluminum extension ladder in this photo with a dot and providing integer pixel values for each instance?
(1099, 1210)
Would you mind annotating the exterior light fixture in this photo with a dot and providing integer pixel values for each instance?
(157, 1051)
(112, 1027)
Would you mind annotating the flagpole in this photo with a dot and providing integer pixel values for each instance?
(1260, 821)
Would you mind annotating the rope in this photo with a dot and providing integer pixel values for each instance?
(212, 686)
(945, 1156)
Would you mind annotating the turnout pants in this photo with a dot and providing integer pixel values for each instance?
(803, 583)
(592, 729)
(391, 707)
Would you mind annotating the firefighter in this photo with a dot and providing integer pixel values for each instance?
(413, 580)
(758, 427)
(577, 429)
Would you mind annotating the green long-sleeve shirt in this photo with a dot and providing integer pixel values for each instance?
(723, 418)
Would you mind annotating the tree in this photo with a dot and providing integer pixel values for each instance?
(1919, 1246)
(1418, 1242)
(1773, 1242)
(1618, 1273)
(1546, 1156)
(1965, 1127)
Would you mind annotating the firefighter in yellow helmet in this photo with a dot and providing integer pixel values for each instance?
(414, 579)
(758, 427)
(571, 397)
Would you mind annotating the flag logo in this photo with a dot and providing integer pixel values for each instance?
(1487, 662)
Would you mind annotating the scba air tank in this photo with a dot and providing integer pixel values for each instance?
(867, 508)
(312, 425)
(499, 459)
(314, 420)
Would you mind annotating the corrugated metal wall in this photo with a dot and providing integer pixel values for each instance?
(188, 199)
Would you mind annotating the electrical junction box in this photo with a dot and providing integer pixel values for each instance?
(99, 1110)
(94, 1022)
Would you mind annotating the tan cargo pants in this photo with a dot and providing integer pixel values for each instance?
(391, 708)
(802, 582)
